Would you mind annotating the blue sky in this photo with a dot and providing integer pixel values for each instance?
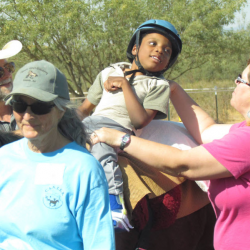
(239, 21)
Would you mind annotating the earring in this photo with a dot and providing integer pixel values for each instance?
(248, 114)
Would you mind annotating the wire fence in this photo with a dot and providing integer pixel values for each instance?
(215, 101)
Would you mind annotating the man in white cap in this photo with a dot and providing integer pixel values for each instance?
(7, 121)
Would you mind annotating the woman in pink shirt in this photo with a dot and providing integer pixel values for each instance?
(223, 158)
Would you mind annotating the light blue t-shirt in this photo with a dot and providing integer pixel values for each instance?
(56, 200)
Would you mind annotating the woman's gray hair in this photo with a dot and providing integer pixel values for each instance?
(70, 125)
(8, 137)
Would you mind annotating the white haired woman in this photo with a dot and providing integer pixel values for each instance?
(223, 159)
(54, 193)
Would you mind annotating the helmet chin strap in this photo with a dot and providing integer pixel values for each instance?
(137, 62)
(131, 79)
(142, 70)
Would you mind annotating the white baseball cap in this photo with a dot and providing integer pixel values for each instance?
(10, 49)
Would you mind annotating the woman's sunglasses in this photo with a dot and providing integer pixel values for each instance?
(37, 108)
(8, 66)
(240, 80)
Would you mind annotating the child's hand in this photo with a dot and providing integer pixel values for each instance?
(114, 83)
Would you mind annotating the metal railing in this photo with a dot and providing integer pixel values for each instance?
(216, 101)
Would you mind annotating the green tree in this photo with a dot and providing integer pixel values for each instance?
(82, 37)
(227, 65)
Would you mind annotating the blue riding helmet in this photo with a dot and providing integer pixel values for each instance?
(160, 26)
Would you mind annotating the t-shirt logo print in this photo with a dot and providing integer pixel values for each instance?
(31, 75)
(53, 197)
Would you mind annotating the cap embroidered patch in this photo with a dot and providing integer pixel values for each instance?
(31, 75)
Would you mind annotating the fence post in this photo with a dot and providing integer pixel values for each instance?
(169, 109)
(216, 103)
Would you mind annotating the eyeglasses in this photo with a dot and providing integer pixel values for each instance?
(37, 108)
(240, 80)
(9, 66)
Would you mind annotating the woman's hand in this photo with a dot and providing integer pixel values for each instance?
(109, 136)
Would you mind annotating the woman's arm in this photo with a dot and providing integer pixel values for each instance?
(195, 164)
(139, 116)
(199, 124)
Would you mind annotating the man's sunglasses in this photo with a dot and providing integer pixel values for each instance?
(240, 80)
(8, 66)
(37, 108)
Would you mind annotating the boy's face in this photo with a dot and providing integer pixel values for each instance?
(154, 52)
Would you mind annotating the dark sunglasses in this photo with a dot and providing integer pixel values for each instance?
(8, 66)
(240, 80)
(37, 108)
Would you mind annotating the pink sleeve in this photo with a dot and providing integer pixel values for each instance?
(238, 125)
(232, 151)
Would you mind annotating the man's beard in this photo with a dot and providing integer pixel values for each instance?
(4, 91)
(2, 95)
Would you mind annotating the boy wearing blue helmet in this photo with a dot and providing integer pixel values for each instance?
(127, 96)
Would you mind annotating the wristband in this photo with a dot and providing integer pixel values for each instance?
(125, 141)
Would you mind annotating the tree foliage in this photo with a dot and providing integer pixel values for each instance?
(81, 37)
